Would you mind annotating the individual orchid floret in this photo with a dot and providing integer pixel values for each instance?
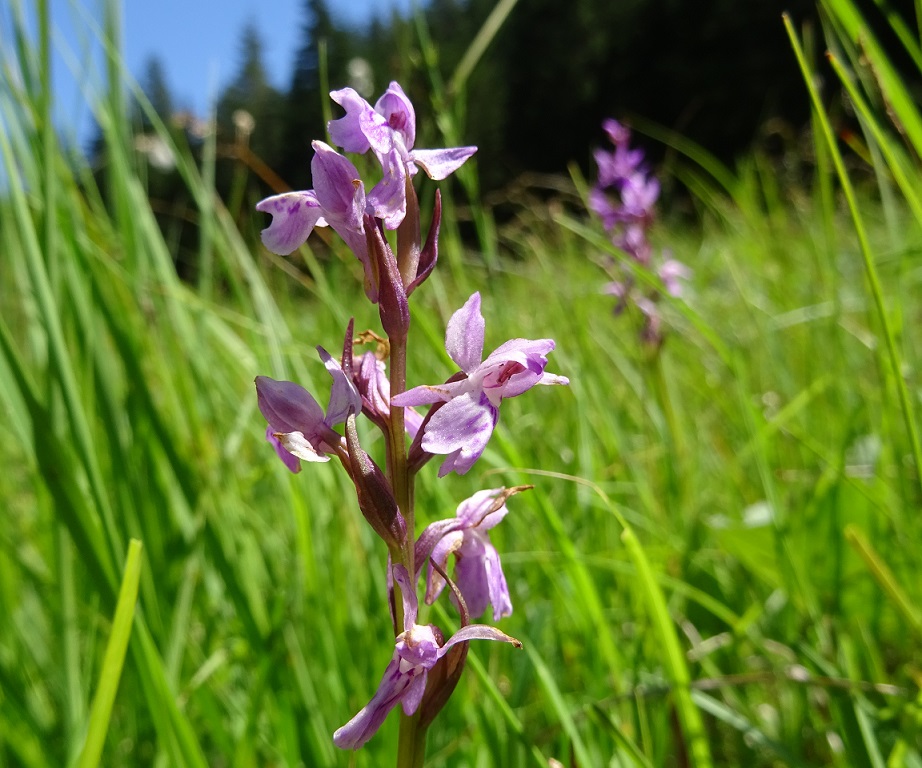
(478, 573)
(671, 272)
(337, 200)
(461, 427)
(298, 428)
(389, 130)
(375, 389)
(418, 649)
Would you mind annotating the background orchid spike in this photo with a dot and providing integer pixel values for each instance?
(462, 427)
(478, 573)
(418, 649)
(624, 197)
(389, 130)
(297, 427)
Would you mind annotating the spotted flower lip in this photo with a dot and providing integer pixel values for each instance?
(298, 428)
(389, 130)
(417, 650)
(479, 572)
(461, 427)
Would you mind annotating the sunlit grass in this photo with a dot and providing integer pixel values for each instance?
(762, 463)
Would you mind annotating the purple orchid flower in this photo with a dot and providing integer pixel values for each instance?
(671, 272)
(417, 651)
(338, 200)
(478, 573)
(462, 426)
(389, 130)
(297, 427)
(375, 389)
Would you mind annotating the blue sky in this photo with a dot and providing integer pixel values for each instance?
(198, 42)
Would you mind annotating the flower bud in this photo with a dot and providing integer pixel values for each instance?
(376, 499)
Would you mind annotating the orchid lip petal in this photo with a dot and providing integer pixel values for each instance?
(294, 216)
(298, 445)
(288, 459)
(366, 722)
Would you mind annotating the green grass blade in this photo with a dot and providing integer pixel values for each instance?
(885, 577)
(894, 358)
(111, 672)
(674, 658)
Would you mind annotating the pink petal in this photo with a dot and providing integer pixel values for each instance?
(464, 336)
(440, 163)
(294, 216)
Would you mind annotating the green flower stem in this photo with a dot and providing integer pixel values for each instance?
(397, 468)
(411, 747)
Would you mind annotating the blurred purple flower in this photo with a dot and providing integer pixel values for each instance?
(298, 428)
(419, 647)
(624, 197)
(478, 573)
(671, 272)
(462, 427)
(389, 130)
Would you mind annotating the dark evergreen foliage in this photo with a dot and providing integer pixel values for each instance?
(715, 72)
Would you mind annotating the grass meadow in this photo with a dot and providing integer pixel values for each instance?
(719, 562)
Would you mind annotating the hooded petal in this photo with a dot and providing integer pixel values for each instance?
(287, 406)
(294, 216)
(464, 336)
(344, 397)
(516, 367)
(473, 512)
(398, 112)
(388, 198)
(337, 186)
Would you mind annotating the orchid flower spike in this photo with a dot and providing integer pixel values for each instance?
(298, 428)
(461, 428)
(418, 649)
(389, 130)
